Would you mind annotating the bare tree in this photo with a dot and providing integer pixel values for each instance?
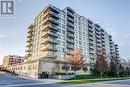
(101, 65)
(77, 61)
(115, 63)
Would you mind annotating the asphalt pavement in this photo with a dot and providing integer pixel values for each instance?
(7, 80)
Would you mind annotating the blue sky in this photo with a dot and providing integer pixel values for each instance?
(113, 15)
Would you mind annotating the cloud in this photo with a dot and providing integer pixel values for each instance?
(14, 33)
(2, 36)
(127, 36)
(121, 44)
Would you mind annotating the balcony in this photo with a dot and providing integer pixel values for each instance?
(98, 48)
(70, 19)
(111, 42)
(70, 30)
(90, 30)
(91, 51)
(70, 46)
(50, 54)
(29, 40)
(52, 14)
(29, 45)
(70, 41)
(97, 29)
(91, 34)
(103, 41)
(70, 24)
(69, 52)
(102, 34)
(70, 35)
(28, 55)
(103, 45)
(116, 48)
(49, 40)
(30, 31)
(98, 37)
(50, 26)
(91, 38)
(98, 33)
(28, 50)
(70, 14)
(51, 20)
(30, 35)
(103, 37)
(49, 33)
(90, 25)
(49, 47)
(91, 47)
(91, 43)
(98, 41)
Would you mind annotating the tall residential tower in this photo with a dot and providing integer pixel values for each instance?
(55, 33)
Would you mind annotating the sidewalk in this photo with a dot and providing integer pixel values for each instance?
(48, 81)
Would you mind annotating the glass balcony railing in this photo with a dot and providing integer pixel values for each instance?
(51, 19)
(71, 41)
(53, 34)
(70, 46)
(70, 14)
(50, 26)
(30, 35)
(50, 54)
(49, 47)
(70, 24)
(70, 29)
(52, 13)
(70, 35)
(70, 19)
(49, 40)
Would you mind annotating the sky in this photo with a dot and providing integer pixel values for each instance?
(112, 15)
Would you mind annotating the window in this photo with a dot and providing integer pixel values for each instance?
(63, 37)
(63, 16)
(62, 44)
(63, 21)
(63, 26)
(63, 32)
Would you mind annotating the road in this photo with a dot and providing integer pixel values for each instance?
(14, 81)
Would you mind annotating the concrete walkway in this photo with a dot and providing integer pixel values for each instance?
(47, 81)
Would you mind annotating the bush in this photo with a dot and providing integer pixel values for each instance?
(62, 73)
(86, 77)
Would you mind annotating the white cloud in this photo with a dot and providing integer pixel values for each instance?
(127, 36)
(2, 36)
(14, 33)
(121, 44)
(114, 33)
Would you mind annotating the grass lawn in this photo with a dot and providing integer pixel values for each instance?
(93, 80)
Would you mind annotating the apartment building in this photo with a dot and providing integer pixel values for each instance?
(12, 59)
(55, 33)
